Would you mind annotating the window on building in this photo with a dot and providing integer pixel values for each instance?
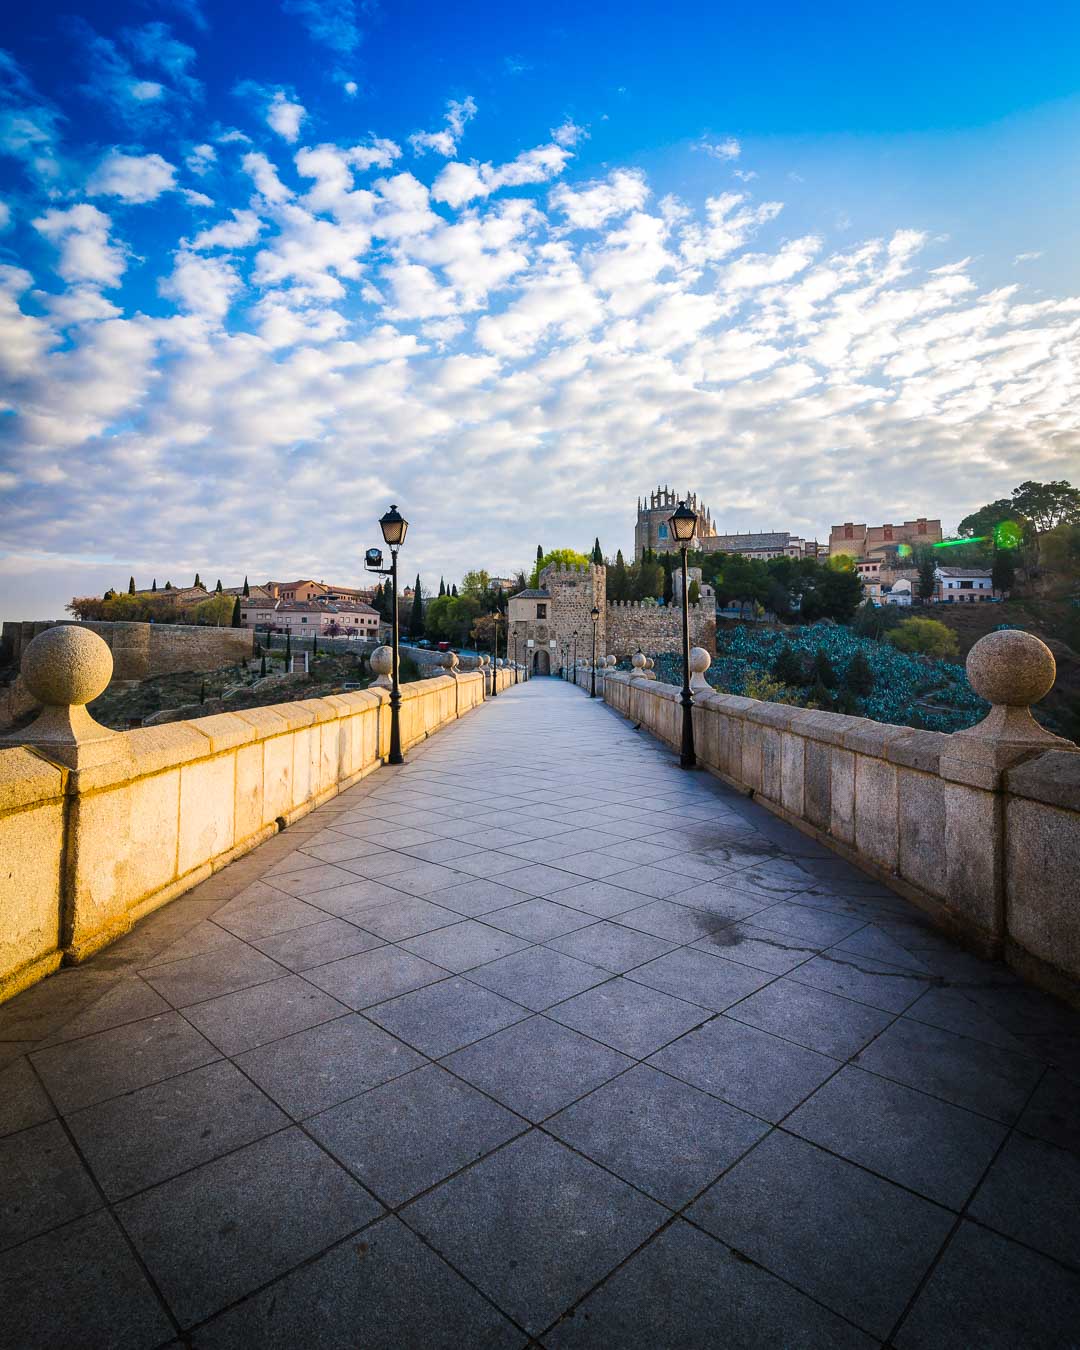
(661, 531)
(541, 611)
(849, 531)
(888, 533)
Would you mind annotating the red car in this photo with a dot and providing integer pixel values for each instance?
(444, 646)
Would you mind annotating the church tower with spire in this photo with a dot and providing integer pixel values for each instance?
(653, 512)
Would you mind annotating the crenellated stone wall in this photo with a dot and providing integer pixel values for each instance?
(635, 627)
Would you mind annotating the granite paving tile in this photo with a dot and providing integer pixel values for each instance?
(700, 978)
(1032, 1194)
(42, 1183)
(477, 896)
(749, 945)
(327, 1064)
(854, 1242)
(1053, 1113)
(629, 1017)
(595, 865)
(383, 1291)
(539, 919)
(371, 977)
(79, 1285)
(724, 898)
(149, 1135)
(667, 919)
(995, 1294)
(488, 863)
(444, 1017)
(722, 1300)
(659, 1133)
(538, 977)
(503, 1225)
(539, 880)
(403, 1137)
(749, 1068)
(357, 896)
(611, 946)
(917, 1141)
(313, 879)
(863, 979)
(952, 1010)
(464, 945)
(408, 916)
(318, 944)
(602, 899)
(824, 1022)
(809, 924)
(537, 1066)
(215, 1233)
(79, 1073)
(23, 1101)
(211, 974)
(265, 1012)
(968, 1073)
(266, 916)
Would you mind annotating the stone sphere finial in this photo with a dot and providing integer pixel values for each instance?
(382, 660)
(1011, 668)
(639, 661)
(700, 660)
(450, 661)
(67, 666)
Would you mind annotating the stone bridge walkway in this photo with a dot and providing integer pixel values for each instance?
(538, 1041)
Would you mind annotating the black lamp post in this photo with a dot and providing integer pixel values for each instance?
(495, 618)
(683, 528)
(595, 616)
(573, 660)
(393, 525)
(530, 643)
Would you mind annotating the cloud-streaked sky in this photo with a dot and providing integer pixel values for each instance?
(265, 268)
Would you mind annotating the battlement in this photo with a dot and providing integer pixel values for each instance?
(572, 572)
(704, 605)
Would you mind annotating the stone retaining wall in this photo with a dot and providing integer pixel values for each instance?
(85, 853)
(991, 853)
(142, 650)
(636, 627)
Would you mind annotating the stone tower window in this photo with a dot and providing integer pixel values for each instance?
(541, 611)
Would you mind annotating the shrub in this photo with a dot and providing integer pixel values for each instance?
(821, 671)
(859, 678)
(787, 668)
(927, 637)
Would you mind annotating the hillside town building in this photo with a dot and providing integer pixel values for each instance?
(963, 585)
(302, 617)
(887, 542)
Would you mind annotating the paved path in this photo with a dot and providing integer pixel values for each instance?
(538, 1041)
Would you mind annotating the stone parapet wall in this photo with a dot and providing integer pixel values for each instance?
(636, 627)
(142, 650)
(993, 855)
(88, 852)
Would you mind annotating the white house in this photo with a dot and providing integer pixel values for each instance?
(963, 585)
(899, 593)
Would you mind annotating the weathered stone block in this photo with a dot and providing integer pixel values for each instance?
(817, 784)
(921, 800)
(876, 811)
(1042, 848)
(207, 806)
(973, 853)
(250, 793)
(793, 769)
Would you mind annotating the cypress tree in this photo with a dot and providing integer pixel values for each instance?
(442, 587)
(262, 666)
(154, 586)
(218, 586)
(197, 581)
(821, 671)
(1003, 575)
(416, 620)
(859, 679)
(247, 589)
(597, 555)
(787, 668)
(453, 590)
(168, 585)
(237, 615)
(131, 585)
(539, 553)
(202, 692)
(820, 696)
(314, 644)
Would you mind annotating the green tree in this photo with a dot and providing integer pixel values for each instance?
(247, 589)
(561, 557)
(476, 582)
(315, 644)
(154, 586)
(597, 554)
(618, 580)
(927, 637)
(442, 586)
(131, 585)
(820, 697)
(217, 588)
(694, 591)
(927, 565)
(453, 590)
(1061, 549)
(821, 670)
(1003, 574)
(197, 581)
(859, 677)
(168, 585)
(982, 523)
(669, 584)
(288, 650)
(416, 619)
(218, 610)
(787, 667)
(237, 614)
(1047, 504)
(262, 666)
(539, 554)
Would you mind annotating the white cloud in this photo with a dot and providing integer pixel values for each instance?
(460, 183)
(86, 253)
(590, 206)
(5, 216)
(445, 142)
(265, 177)
(132, 178)
(203, 286)
(728, 148)
(351, 88)
(201, 159)
(1027, 257)
(284, 116)
(242, 230)
(331, 23)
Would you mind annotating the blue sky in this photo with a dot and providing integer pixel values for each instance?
(266, 267)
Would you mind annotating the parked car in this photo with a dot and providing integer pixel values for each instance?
(422, 642)
(444, 646)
